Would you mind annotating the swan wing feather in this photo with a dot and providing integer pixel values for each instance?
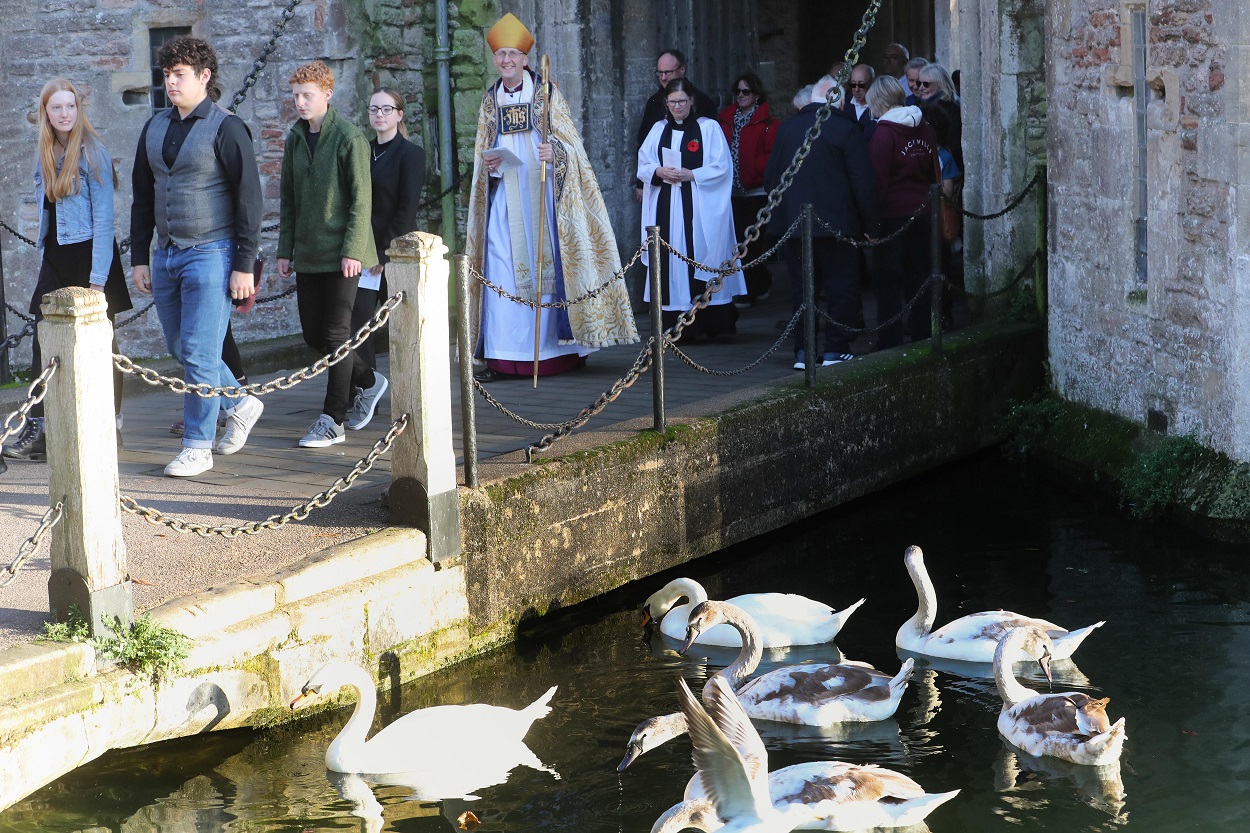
(725, 778)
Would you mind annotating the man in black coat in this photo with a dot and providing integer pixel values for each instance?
(669, 65)
(837, 179)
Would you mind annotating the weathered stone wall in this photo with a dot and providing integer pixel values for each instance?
(998, 46)
(103, 47)
(1165, 347)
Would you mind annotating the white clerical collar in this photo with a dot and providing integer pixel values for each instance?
(526, 93)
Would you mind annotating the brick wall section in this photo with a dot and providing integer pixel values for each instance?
(1170, 344)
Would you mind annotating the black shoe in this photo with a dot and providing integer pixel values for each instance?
(489, 375)
(31, 444)
(3, 466)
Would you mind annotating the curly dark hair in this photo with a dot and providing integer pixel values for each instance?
(189, 51)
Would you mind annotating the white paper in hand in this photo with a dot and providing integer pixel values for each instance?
(507, 158)
(670, 158)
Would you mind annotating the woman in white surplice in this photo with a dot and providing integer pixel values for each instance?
(687, 176)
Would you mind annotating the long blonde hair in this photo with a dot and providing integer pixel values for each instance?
(60, 184)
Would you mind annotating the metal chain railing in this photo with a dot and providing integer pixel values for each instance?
(751, 234)
(19, 236)
(34, 395)
(259, 63)
(924, 289)
(204, 390)
(600, 289)
(299, 513)
(794, 321)
(15, 339)
(1011, 206)
(514, 416)
(922, 211)
(1002, 290)
(50, 519)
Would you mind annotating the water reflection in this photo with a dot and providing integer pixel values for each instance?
(1003, 540)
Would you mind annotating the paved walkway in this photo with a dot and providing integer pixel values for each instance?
(272, 475)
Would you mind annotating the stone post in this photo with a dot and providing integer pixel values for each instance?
(423, 461)
(87, 551)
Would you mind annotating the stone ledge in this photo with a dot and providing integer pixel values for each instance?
(32, 667)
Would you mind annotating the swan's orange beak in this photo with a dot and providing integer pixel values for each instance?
(646, 617)
(302, 699)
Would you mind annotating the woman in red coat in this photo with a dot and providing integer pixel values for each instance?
(750, 131)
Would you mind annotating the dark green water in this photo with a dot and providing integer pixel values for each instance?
(1173, 658)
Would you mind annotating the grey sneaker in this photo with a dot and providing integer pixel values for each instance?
(190, 462)
(366, 402)
(325, 431)
(239, 423)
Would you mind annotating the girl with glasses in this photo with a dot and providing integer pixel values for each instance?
(74, 184)
(750, 130)
(687, 172)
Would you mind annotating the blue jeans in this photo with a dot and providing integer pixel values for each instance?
(191, 288)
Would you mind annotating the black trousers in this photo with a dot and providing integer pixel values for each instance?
(900, 268)
(835, 267)
(365, 306)
(325, 314)
(758, 278)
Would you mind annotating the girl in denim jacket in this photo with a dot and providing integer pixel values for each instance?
(74, 183)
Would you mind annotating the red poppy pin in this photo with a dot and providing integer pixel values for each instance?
(693, 146)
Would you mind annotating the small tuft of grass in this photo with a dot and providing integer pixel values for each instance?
(73, 629)
(1150, 485)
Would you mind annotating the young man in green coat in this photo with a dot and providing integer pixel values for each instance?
(327, 240)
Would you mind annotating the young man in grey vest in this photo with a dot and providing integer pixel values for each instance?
(196, 183)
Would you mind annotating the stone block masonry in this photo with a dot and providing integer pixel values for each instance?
(1167, 343)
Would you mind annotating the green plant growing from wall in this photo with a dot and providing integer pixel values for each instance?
(1026, 422)
(1152, 482)
(146, 647)
(73, 629)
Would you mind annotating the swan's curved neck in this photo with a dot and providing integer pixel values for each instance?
(688, 587)
(752, 649)
(1009, 688)
(921, 622)
(348, 747)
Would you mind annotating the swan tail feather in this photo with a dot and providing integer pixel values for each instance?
(838, 619)
(541, 707)
(1067, 643)
(914, 810)
(900, 680)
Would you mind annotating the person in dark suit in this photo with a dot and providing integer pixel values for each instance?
(837, 179)
(670, 64)
(855, 105)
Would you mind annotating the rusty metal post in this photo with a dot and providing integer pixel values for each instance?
(464, 345)
(654, 275)
(809, 301)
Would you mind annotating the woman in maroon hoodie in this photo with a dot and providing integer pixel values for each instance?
(750, 131)
(904, 152)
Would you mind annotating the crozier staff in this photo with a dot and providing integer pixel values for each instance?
(579, 253)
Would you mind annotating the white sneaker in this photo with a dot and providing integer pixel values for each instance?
(190, 462)
(239, 423)
(366, 402)
(325, 431)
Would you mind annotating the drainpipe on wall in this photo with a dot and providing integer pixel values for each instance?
(442, 57)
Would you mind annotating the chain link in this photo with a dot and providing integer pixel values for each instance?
(514, 416)
(794, 320)
(50, 519)
(776, 246)
(525, 302)
(872, 244)
(19, 236)
(881, 325)
(1011, 206)
(299, 513)
(259, 63)
(27, 318)
(752, 233)
(1002, 290)
(15, 339)
(205, 391)
(34, 395)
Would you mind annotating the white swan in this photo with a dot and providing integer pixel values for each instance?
(813, 694)
(1069, 725)
(447, 733)
(850, 797)
(736, 785)
(974, 637)
(783, 618)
